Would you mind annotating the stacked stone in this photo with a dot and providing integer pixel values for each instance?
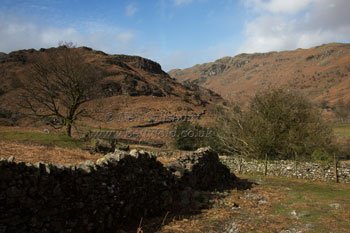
(100, 197)
(89, 197)
(286, 168)
(202, 170)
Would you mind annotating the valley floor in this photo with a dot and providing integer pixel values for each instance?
(272, 205)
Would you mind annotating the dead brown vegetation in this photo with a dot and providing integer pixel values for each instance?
(37, 153)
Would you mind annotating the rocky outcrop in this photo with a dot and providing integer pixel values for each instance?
(101, 196)
(18, 56)
(136, 61)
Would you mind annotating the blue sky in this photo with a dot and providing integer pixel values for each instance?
(175, 33)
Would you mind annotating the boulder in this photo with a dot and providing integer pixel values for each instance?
(103, 146)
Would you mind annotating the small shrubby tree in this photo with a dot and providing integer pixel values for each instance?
(191, 136)
(280, 124)
(186, 136)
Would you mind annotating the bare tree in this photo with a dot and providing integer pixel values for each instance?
(59, 82)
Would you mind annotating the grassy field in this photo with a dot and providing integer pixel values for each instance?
(38, 138)
(342, 129)
(63, 141)
(272, 205)
(324, 207)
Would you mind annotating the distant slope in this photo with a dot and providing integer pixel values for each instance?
(130, 86)
(322, 73)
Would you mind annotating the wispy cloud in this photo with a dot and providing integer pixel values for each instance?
(181, 2)
(279, 6)
(131, 9)
(107, 38)
(125, 38)
(312, 23)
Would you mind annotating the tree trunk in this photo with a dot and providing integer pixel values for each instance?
(69, 128)
(240, 165)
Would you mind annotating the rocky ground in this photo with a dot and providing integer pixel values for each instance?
(270, 205)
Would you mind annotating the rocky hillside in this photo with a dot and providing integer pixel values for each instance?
(132, 91)
(122, 74)
(322, 73)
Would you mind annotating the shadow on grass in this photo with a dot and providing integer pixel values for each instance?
(151, 225)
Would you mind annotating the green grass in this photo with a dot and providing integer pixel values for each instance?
(311, 201)
(41, 139)
(342, 129)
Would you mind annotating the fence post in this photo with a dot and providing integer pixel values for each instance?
(265, 173)
(335, 169)
(295, 164)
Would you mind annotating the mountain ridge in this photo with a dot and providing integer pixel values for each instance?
(322, 73)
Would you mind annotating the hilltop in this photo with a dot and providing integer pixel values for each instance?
(322, 73)
(132, 91)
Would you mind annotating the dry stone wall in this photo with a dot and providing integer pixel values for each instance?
(285, 168)
(101, 196)
(202, 170)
